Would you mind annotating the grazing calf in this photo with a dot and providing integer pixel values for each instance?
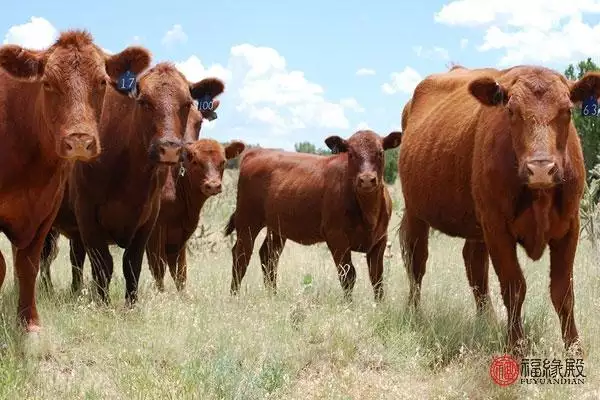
(117, 199)
(51, 103)
(339, 199)
(204, 164)
(493, 156)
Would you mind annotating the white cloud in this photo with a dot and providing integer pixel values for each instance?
(37, 34)
(362, 126)
(352, 104)
(464, 43)
(174, 36)
(532, 31)
(404, 81)
(365, 72)
(194, 70)
(434, 52)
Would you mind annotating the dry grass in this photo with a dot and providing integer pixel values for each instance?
(303, 343)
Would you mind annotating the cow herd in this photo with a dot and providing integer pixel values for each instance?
(105, 149)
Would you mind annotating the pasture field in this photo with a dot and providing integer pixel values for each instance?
(303, 343)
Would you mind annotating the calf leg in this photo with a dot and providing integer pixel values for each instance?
(562, 256)
(241, 253)
(155, 252)
(375, 263)
(178, 267)
(77, 256)
(476, 259)
(503, 252)
(269, 258)
(48, 255)
(414, 239)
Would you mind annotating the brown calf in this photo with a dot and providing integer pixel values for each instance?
(51, 103)
(493, 157)
(116, 200)
(204, 164)
(339, 199)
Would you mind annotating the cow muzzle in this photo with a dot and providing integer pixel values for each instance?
(366, 182)
(79, 146)
(541, 173)
(212, 187)
(168, 152)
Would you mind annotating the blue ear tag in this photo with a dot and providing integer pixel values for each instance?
(127, 82)
(589, 108)
(205, 105)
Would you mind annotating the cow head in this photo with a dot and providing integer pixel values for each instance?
(365, 152)
(536, 104)
(164, 99)
(72, 76)
(205, 160)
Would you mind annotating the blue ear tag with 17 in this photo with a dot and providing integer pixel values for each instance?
(205, 105)
(589, 108)
(126, 82)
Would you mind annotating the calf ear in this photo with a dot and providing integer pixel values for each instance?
(336, 144)
(21, 63)
(587, 86)
(134, 59)
(392, 140)
(488, 91)
(234, 149)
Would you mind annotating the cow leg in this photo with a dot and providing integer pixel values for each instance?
(343, 262)
(2, 269)
(102, 268)
(562, 256)
(49, 254)
(178, 267)
(476, 259)
(414, 240)
(375, 264)
(503, 252)
(269, 258)
(241, 254)
(155, 253)
(77, 257)
(132, 261)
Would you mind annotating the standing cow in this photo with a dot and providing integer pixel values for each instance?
(204, 163)
(117, 199)
(339, 199)
(493, 156)
(51, 103)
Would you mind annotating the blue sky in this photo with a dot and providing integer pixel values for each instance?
(291, 68)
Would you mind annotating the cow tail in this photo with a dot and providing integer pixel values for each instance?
(230, 225)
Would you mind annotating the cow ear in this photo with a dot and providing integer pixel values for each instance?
(205, 92)
(392, 140)
(488, 91)
(134, 59)
(22, 63)
(587, 86)
(234, 149)
(336, 144)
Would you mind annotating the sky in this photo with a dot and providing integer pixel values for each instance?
(304, 70)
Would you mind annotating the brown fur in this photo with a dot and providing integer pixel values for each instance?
(310, 199)
(51, 103)
(463, 168)
(204, 165)
(117, 199)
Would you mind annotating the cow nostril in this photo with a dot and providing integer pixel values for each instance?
(530, 170)
(89, 145)
(553, 169)
(162, 151)
(373, 180)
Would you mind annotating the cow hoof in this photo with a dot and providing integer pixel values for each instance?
(575, 349)
(33, 329)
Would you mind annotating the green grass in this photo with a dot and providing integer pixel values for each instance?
(303, 343)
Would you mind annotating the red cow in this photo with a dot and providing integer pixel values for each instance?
(116, 200)
(339, 199)
(493, 156)
(204, 162)
(51, 103)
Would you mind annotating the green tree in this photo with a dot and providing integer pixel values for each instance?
(307, 147)
(390, 170)
(588, 128)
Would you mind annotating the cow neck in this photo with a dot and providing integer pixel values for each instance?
(370, 206)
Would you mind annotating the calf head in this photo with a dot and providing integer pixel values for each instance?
(205, 160)
(72, 75)
(537, 105)
(365, 154)
(164, 99)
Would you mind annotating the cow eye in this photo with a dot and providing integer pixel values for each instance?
(102, 84)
